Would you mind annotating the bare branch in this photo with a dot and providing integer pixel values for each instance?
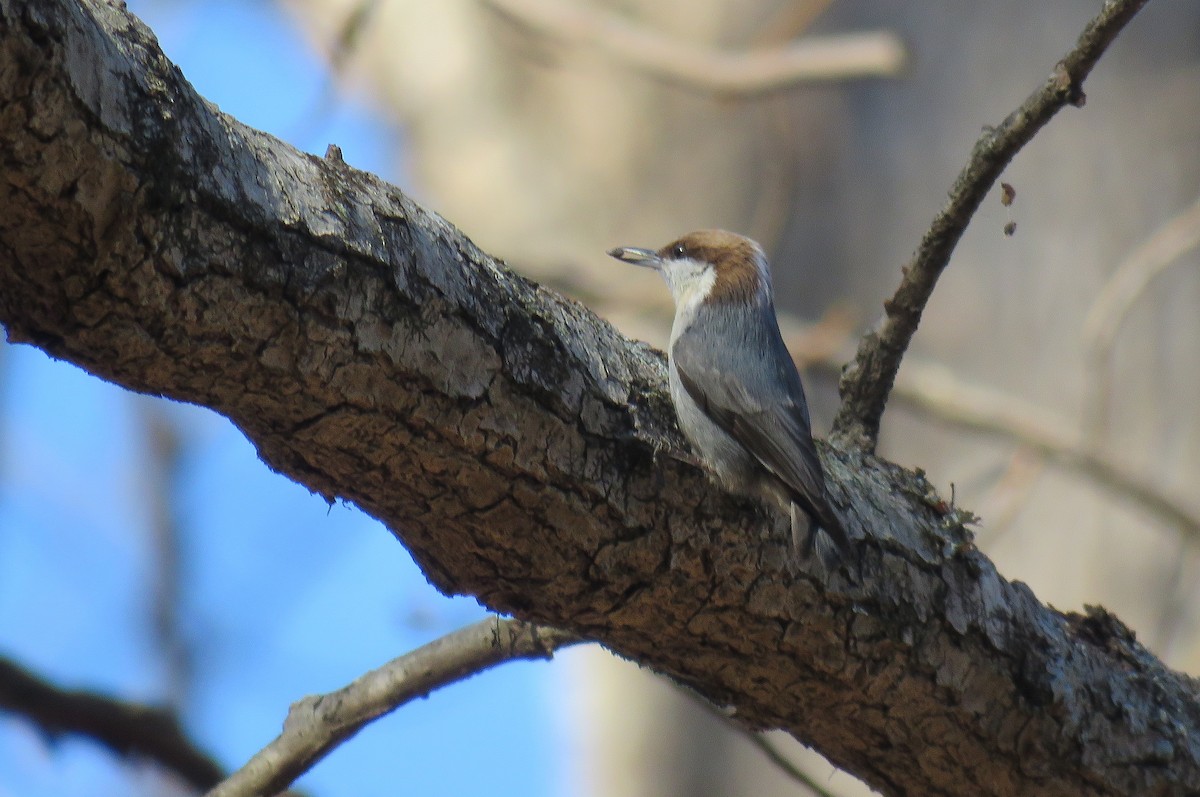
(162, 473)
(128, 729)
(1175, 598)
(693, 66)
(319, 723)
(1008, 496)
(522, 449)
(1151, 258)
(937, 392)
(785, 764)
(934, 391)
(765, 746)
(867, 382)
(1112, 305)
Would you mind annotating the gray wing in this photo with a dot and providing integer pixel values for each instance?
(753, 393)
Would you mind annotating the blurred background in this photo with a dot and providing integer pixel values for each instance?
(146, 553)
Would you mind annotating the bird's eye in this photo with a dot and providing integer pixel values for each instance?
(678, 250)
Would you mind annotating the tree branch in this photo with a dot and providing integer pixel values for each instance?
(127, 729)
(521, 448)
(867, 382)
(692, 66)
(937, 393)
(1161, 250)
(765, 746)
(319, 723)
(1111, 307)
(934, 391)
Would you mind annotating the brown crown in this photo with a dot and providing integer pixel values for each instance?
(734, 258)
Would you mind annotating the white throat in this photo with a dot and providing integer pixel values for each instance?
(690, 282)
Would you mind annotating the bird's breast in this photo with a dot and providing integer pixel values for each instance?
(721, 453)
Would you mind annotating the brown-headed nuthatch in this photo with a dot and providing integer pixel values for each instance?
(734, 384)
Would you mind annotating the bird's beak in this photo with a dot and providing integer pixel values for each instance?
(639, 257)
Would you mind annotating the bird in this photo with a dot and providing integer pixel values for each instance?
(735, 387)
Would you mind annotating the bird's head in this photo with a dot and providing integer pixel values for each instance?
(707, 266)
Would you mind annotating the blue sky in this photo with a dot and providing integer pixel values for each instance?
(281, 595)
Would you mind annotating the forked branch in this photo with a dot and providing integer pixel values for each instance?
(868, 381)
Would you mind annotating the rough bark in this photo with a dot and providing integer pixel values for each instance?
(520, 447)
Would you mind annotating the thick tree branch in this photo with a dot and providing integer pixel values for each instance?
(520, 447)
(868, 380)
(125, 728)
(317, 724)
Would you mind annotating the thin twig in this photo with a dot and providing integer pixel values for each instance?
(1174, 600)
(128, 729)
(1008, 496)
(786, 765)
(694, 66)
(1116, 299)
(162, 474)
(1151, 258)
(765, 745)
(936, 392)
(868, 381)
(318, 723)
(346, 44)
(933, 390)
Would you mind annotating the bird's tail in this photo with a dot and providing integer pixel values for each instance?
(825, 535)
